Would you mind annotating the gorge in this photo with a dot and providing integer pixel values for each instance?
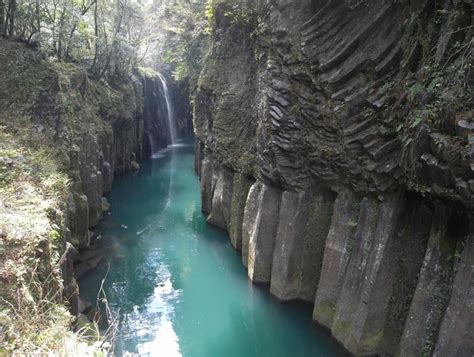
(175, 281)
(334, 173)
(334, 147)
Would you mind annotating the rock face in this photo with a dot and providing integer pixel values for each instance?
(97, 157)
(303, 225)
(339, 139)
(261, 230)
(90, 131)
(155, 114)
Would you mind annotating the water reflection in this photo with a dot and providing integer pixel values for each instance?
(176, 283)
(161, 315)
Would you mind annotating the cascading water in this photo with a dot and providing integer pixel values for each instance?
(171, 122)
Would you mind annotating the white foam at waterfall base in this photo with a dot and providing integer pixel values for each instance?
(162, 153)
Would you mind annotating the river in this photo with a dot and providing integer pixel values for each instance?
(176, 284)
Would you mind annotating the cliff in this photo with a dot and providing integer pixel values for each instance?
(63, 138)
(336, 145)
(157, 135)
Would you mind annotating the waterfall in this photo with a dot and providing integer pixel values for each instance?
(171, 122)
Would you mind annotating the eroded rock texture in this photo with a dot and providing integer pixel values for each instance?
(352, 123)
(97, 155)
(115, 146)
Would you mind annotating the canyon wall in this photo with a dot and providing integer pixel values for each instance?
(133, 115)
(64, 136)
(157, 132)
(112, 145)
(335, 144)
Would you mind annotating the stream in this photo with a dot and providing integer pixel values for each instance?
(176, 284)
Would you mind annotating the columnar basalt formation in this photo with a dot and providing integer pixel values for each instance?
(116, 147)
(338, 135)
(222, 182)
(240, 190)
(259, 222)
(89, 131)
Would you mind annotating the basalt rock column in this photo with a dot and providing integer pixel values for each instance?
(250, 219)
(303, 226)
(290, 240)
(336, 257)
(317, 228)
(206, 185)
(433, 290)
(455, 337)
(360, 315)
(241, 187)
(409, 247)
(222, 197)
(78, 213)
(261, 231)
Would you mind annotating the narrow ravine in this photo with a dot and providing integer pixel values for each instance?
(177, 284)
(322, 206)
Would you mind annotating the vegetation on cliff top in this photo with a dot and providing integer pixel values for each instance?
(109, 38)
(66, 71)
(31, 191)
(46, 111)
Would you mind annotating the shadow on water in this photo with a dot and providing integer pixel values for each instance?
(176, 283)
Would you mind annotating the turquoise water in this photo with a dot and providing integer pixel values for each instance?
(176, 283)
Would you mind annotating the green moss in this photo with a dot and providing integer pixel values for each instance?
(88, 329)
(342, 330)
(210, 13)
(241, 187)
(147, 72)
(49, 113)
(325, 312)
(55, 237)
(371, 344)
(352, 223)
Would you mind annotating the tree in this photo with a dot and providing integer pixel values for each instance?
(9, 25)
(2, 15)
(109, 37)
(183, 38)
